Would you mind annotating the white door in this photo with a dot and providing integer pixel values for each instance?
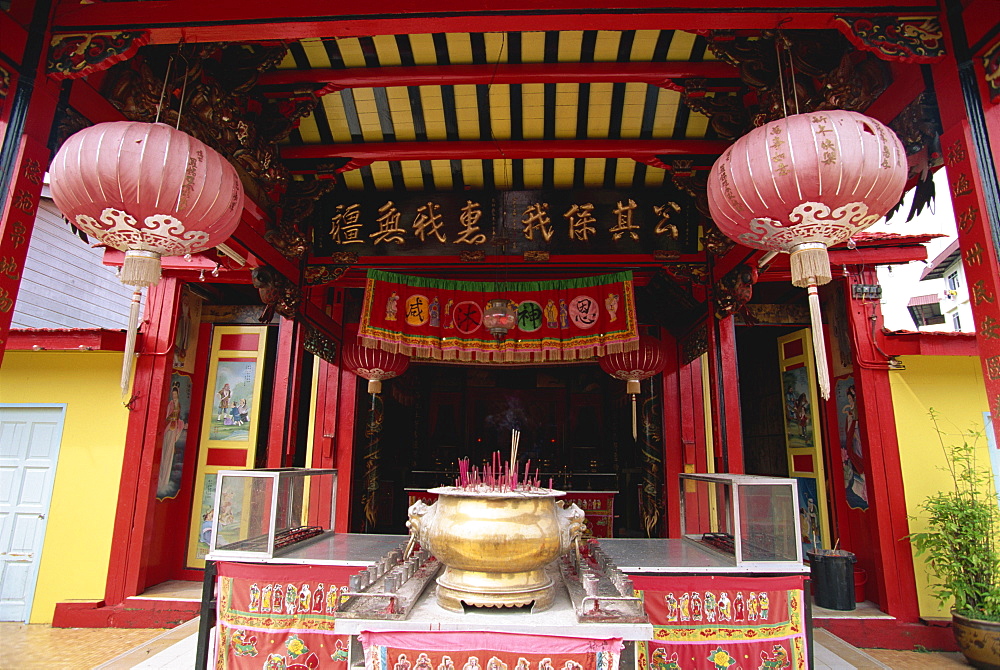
(29, 449)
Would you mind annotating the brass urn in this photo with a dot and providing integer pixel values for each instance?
(495, 545)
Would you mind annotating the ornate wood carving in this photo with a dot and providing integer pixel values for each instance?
(472, 256)
(320, 345)
(727, 114)
(734, 290)
(665, 255)
(919, 129)
(694, 273)
(911, 39)
(817, 70)
(5, 80)
(991, 65)
(715, 241)
(323, 273)
(75, 56)
(68, 121)
(289, 240)
(695, 344)
(221, 107)
(536, 256)
(277, 293)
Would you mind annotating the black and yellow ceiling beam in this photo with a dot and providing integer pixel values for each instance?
(642, 151)
(655, 74)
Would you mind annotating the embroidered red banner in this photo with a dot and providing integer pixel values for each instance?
(568, 319)
(280, 616)
(482, 650)
(718, 622)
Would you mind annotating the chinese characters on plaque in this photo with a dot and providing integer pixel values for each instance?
(559, 222)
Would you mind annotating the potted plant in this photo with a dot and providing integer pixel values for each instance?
(962, 546)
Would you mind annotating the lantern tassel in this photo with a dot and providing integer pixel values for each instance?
(133, 327)
(635, 427)
(810, 264)
(819, 343)
(141, 268)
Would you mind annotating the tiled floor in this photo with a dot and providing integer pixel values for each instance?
(40, 646)
(174, 648)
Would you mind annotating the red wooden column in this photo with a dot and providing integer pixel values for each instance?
(971, 122)
(344, 456)
(673, 439)
(724, 387)
(131, 541)
(895, 583)
(286, 394)
(28, 102)
(330, 420)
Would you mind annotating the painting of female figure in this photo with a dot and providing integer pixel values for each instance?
(174, 437)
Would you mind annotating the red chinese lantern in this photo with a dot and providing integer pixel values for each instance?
(804, 183)
(650, 358)
(373, 364)
(149, 190)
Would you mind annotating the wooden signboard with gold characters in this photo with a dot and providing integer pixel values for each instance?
(583, 222)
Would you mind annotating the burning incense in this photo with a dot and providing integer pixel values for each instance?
(497, 477)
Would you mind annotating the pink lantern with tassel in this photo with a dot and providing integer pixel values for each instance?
(375, 365)
(647, 360)
(802, 184)
(149, 190)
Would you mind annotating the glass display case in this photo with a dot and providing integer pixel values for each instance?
(749, 519)
(259, 512)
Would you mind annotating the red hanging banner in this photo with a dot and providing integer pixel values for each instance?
(486, 650)
(280, 616)
(562, 320)
(713, 623)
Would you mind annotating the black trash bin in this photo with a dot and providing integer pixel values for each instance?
(832, 572)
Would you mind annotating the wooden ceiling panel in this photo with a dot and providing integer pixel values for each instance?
(542, 105)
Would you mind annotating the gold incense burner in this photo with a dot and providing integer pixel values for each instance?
(495, 546)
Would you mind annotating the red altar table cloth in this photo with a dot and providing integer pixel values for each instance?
(279, 617)
(718, 623)
(482, 650)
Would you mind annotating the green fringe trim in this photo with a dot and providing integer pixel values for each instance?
(493, 287)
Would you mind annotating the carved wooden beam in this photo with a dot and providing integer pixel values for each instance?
(237, 20)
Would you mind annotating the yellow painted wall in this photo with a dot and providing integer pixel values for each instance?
(74, 561)
(952, 385)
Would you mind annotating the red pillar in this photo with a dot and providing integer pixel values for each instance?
(673, 440)
(286, 394)
(26, 115)
(724, 383)
(971, 123)
(130, 545)
(895, 583)
(344, 443)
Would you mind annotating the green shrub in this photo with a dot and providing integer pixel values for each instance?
(962, 544)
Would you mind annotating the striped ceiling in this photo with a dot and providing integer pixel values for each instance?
(491, 112)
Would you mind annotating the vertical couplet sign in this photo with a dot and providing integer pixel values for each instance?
(979, 256)
(15, 228)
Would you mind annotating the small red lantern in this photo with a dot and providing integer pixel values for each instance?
(373, 364)
(649, 359)
(149, 190)
(804, 183)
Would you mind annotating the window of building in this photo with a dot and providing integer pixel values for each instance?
(952, 281)
(956, 322)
